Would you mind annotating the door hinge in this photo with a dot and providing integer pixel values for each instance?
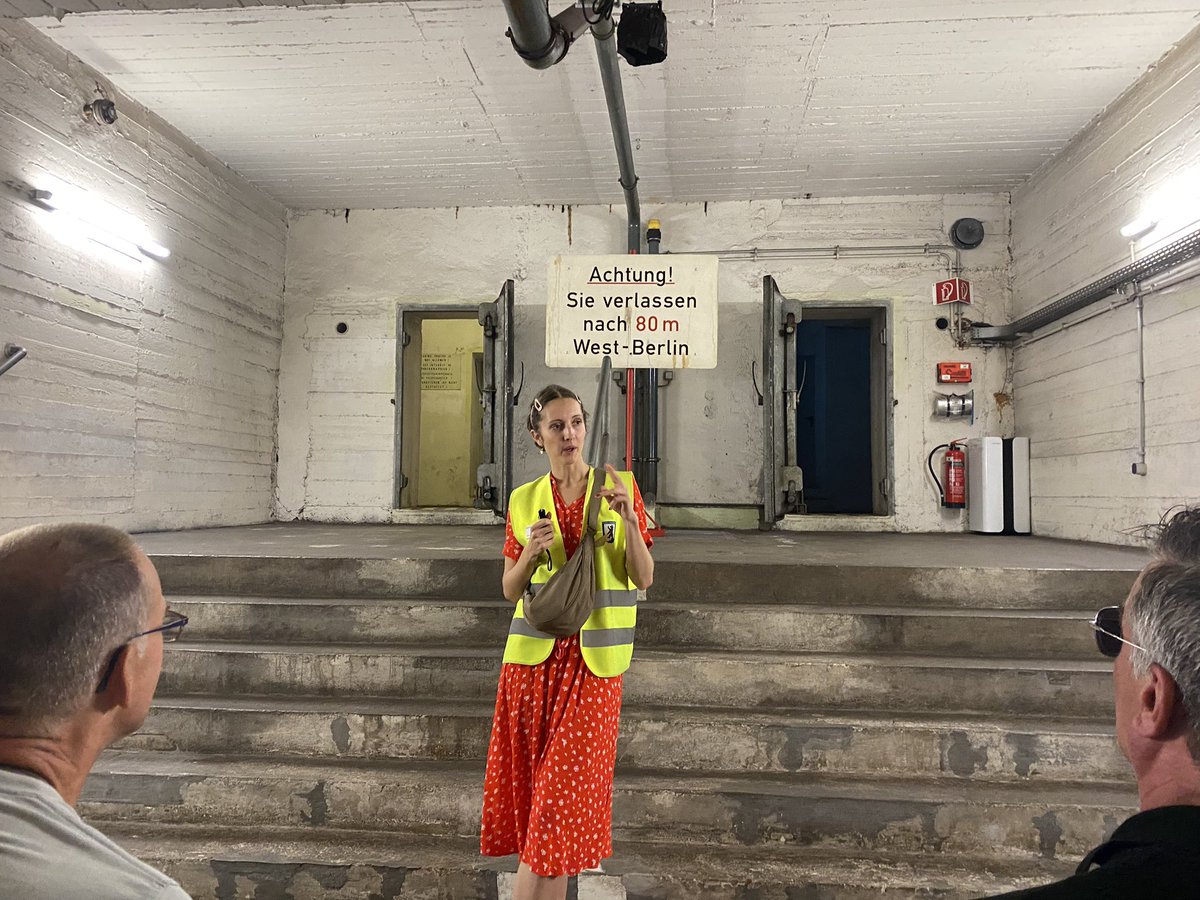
(883, 337)
(405, 339)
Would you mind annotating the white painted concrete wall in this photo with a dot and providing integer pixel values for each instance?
(336, 416)
(1075, 392)
(148, 399)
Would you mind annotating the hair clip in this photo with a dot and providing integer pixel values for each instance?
(537, 404)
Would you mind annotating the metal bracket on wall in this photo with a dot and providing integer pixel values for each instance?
(12, 355)
(667, 376)
(486, 494)
(619, 377)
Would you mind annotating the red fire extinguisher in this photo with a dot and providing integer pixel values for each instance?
(953, 486)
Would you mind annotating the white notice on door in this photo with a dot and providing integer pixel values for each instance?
(646, 312)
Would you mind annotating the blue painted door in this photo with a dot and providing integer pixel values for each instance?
(834, 414)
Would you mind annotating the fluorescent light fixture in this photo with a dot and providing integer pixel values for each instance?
(1138, 228)
(150, 248)
(114, 236)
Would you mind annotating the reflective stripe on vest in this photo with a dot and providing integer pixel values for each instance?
(606, 639)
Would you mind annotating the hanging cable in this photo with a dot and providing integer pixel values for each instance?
(932, 474)
(601, 9)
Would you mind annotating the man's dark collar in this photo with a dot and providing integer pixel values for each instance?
(1164, 825)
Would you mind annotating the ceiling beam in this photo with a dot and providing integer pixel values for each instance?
(32, 9)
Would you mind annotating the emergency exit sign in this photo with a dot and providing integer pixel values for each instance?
(646, 312)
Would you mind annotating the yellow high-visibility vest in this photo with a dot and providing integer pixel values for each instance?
(606, 639)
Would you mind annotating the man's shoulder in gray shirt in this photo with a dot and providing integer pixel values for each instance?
(47, 851)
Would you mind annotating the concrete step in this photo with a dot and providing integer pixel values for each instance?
(944, 816)
(787, 579)
(732, 626)
(711, 740)
(317, 863)
(684, 678)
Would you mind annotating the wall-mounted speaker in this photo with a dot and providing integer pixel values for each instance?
(966, 234)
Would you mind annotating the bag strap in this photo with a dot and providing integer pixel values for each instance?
(591, 511)
(592, 515)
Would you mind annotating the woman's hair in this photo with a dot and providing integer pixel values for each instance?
(548, 394)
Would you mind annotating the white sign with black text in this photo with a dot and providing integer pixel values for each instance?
(646, 312)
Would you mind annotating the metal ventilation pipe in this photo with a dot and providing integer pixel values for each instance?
(610, 76)
(537, 38)
(543, 41)
(1161, 260)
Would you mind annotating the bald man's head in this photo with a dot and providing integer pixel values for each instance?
(69, 596)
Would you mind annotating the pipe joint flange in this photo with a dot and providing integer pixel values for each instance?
(544, 57)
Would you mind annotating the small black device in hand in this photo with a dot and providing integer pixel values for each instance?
(542, 514)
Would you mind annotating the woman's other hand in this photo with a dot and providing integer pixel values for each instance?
(618, 498)
(541, 538)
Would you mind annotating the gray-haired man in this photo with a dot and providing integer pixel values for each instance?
(1154, 640)
(82, 625)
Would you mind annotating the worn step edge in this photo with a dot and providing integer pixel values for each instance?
(679, 738)
(169, 845)
(797, 785)
(683, 580)
(874, 658)
(672, 557)
(648, 606)
(784, 715)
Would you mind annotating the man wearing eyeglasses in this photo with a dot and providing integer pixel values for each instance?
(82, 626)
(1154, 641)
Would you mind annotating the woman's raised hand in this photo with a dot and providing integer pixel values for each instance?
(618, 497)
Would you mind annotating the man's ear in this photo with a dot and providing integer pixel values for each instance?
(1159, 704)
(118, 689)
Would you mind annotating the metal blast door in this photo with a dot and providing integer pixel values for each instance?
(782, 479)
(498, 396)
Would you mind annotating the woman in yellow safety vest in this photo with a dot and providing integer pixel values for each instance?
(548, 789)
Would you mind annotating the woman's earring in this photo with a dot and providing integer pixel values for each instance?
(541, 450)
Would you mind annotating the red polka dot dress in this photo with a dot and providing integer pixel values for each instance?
(547, 793)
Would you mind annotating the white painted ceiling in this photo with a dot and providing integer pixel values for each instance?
(424, 103)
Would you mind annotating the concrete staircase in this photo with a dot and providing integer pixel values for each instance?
(790, 730)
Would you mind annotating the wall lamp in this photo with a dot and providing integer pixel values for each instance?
(1138, 228)
(102, 233)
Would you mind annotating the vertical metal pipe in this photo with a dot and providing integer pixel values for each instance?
(596, 447)
(610, 76)
(641, 424)
(629, 374)
(650, 486)
(1139, 467)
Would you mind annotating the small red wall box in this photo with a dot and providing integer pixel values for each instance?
(954, 373)
(954, 290)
